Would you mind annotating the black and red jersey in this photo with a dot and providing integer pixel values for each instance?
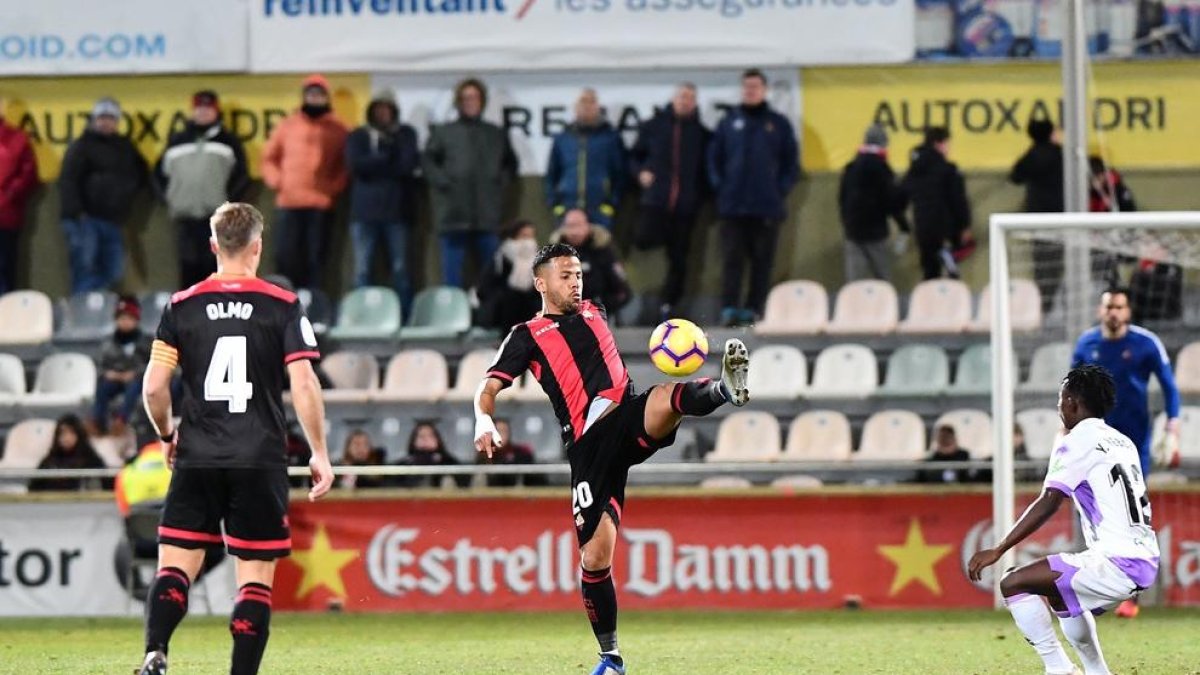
(233, 339)
(575, 359)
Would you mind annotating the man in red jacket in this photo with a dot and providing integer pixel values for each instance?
(18, 180)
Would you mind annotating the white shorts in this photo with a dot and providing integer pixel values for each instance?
(1089, 581)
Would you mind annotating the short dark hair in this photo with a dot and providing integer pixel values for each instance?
(477, 84)
(235, 225)
(1040, 130)
(1116, 290)
(935, 135)
(1094, 387)
(551, 251)
(754, 72)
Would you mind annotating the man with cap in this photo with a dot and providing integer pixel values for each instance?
(122, 360)
(101, 174)
(18, 180)
(867, 197)
(305, 164)
(202, 167)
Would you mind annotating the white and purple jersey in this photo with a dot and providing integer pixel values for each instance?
(1099, 469)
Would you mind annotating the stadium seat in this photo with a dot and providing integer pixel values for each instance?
(153, 305)
(917, 370)
(795, 308)
(26, 318)
(368, 313)
(438, 313)
(845, 371)
(86, 317)
(27, 444)
(471, 370)
(1041, 427)
(12, 379)
(355, 375)
(391, 433)
(746, 436)
(937, 306)
(973, 428)
(797, 482)
(537, 427)
(317, 307)
(818, 436)
(974, 375)
(726, 483)
(777, 372)
(64, 379)
(1047, 368)
(1187, 369)
(868, 307)
(113, 449)
(892, 435)
(1024, 307)
(415, 375)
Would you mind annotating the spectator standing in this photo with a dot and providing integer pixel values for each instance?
(941, 212)
(867, 196)
(506, 293)
(202, 167)
(946, 449)
(1040, 170)
(753, 162)
(604, 279)
(508, 454)
(382, 156)
(469, 164)
(304, 162)
(101, 174)
(71, 450)
(359, 451)
(587, 167)
(1106, 188)
(18, 180)
(669, 159)
(123, 359)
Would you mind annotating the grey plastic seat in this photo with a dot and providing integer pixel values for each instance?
(86, 317)
(917, 370)
(368, 313)
(12, 379)
(1048, 367)
(845, 371)
(778, 372)
(974, 375)
(153, 306)
(62, 380)
(317, 307)
(438, 313)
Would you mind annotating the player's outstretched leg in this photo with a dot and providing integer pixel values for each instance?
(600, 595)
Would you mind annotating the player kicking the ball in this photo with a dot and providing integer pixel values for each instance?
(606, 427)
(1098, 468)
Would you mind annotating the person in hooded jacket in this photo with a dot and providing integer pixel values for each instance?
(938, 192)
(101, 174)
(304, 162)
(202, 167)
(604, 278)
(867, 196)
(1040, 170)
(669, 160)
(587, 167)
(383, 158)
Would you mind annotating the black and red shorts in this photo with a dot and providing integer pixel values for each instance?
(252, 503)
(600, 462)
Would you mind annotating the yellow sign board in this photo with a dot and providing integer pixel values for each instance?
(54, 110)
(1141, 114)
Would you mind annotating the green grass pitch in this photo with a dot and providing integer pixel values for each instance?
(658, 643)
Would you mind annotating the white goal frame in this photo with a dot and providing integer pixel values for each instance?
(1003, 368)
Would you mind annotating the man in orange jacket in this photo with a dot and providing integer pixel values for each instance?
(304, 163)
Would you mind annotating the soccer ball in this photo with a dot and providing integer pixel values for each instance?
(678, 347)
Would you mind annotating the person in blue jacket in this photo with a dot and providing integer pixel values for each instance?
(753, 162)
(587, 168)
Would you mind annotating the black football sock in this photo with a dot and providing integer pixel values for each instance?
(166, 605)
(600, 602)
(250, 626)
(699, 397)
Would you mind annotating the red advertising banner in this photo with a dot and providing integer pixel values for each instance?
(737, 552)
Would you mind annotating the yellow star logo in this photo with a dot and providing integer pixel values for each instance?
(915, 560)
(322, 565)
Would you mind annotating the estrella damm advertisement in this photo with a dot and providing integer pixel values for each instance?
(1140, 114)
(55, 111)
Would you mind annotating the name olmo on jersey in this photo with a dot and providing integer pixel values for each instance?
(656, 565)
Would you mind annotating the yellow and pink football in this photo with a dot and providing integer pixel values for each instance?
(678, 347)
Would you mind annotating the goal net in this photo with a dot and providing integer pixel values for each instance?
(1056, 267)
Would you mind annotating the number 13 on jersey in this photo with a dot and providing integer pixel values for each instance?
(226, 377)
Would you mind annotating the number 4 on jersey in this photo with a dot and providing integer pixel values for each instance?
(226, 378)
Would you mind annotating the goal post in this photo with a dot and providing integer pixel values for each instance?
(1086, 254)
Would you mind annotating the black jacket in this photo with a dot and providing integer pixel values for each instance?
(1040, 170)
(382, 169)
(938, 194)
(101, 174)
(753, 162)
(675, 150)
(604, 279)
(867, 196)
